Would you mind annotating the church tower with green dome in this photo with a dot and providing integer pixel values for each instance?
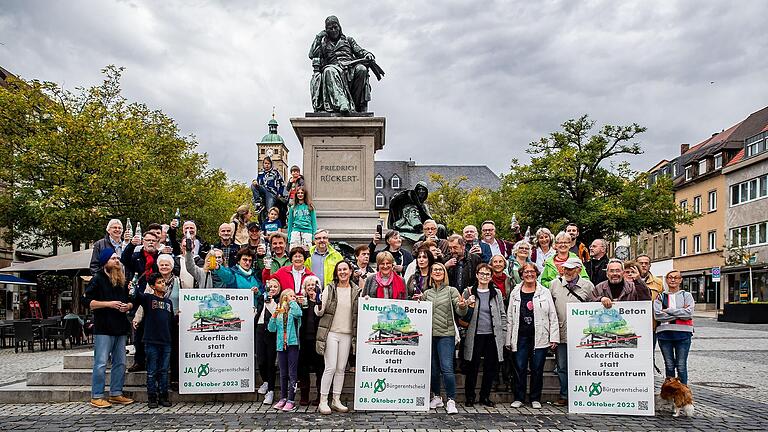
(273, 145)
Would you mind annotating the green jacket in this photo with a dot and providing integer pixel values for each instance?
(277, 262)
(287, 335)
(445, 303)
(329, 264)
(550, 270)
(301, 218)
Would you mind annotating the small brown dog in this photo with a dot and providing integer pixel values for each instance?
(679, 395)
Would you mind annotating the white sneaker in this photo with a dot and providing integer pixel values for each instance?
(269, 397)
(263, 389)
(436, 402)
(450, 407)
(517, 404)
(536, 405)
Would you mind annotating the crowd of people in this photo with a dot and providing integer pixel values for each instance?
(496, 303)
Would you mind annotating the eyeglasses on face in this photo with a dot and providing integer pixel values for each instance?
(484, 274)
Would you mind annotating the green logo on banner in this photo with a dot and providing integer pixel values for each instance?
(379, 386)
(202, 370)
(595, 389)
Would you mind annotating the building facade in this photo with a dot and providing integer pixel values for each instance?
(659, 246)
(394, 176)
(746, 176)
(701, 188)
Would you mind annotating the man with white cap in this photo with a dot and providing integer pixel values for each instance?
(568, 288)
(112, 240)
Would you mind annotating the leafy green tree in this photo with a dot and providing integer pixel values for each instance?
(456, 207)
(577, 175)
(72, 160)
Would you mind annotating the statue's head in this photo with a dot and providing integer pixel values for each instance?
(332, 27)
(411, 215)
(421, 191)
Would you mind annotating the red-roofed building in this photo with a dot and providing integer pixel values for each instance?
(702, 188)
(746, 221)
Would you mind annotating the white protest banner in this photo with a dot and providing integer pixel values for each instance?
(610, 358)
(394, 349)
(216, 341)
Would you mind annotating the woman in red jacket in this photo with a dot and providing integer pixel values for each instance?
(292, 276)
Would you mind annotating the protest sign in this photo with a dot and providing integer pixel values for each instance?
(394, 348)
(610, 358)
(216, 341)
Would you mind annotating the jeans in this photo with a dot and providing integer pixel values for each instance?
(562, 368)
(104, 347)
(525, 354)
(675, 353)
(443, 348)
(158, 362)
(259, 190)
(139, 357)
(266, 353)
(288, 360)
(485, 347)
(337, 349)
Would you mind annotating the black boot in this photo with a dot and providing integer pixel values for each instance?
(151, 400)
(164, 401)
(304, 392)
(137, 367)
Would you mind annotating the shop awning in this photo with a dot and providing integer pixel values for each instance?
(13, 280)
(80, 260)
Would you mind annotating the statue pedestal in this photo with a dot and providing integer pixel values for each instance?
(339, 173)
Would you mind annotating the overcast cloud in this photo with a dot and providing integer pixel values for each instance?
(467, 82)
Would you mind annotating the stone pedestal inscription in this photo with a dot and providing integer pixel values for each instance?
(338, 167)
(339, 174)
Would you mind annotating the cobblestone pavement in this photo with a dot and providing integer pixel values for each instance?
(14, 365)
(726, 368)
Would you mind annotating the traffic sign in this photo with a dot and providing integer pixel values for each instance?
(715, 274)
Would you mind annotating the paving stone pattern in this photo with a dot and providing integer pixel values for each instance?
(15, 365)
(726, 368)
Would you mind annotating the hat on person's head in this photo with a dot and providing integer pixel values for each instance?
(254, 226)
(105, 255)
(572, 263)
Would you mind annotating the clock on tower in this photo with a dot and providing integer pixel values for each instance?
(273, 146)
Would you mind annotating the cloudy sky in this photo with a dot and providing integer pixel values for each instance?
(467, 82)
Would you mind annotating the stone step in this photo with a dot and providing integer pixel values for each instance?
(58, 376)
(23, 393)
(84, 360)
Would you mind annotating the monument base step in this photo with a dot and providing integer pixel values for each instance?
(84, 360)
(22, 393)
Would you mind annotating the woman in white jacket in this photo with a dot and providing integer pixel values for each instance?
(532, 329)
